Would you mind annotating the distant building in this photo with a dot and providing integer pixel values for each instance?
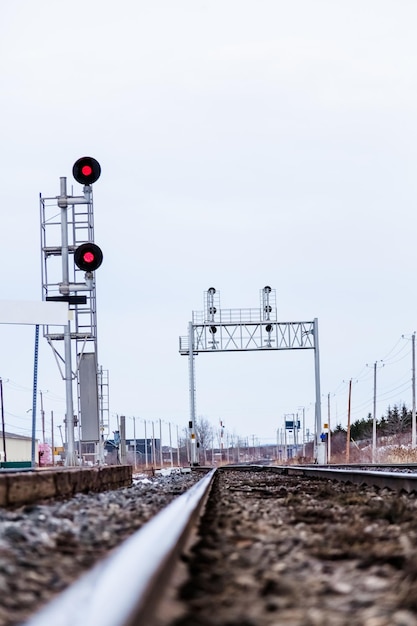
(145, 449)
(18, 448)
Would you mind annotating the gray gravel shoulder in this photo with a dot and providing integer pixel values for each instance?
(46, 546)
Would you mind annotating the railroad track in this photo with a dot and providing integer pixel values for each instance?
(273, 545)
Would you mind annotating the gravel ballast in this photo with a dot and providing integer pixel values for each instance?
(275, 549)
(45, 547)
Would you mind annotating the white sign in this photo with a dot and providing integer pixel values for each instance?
(28, 312)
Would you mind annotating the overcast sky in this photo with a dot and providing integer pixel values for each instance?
(242, 143)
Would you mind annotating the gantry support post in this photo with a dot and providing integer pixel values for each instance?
(319, 445)
(193, 440)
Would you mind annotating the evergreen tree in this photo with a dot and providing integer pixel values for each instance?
(398, 420)
(362, 428)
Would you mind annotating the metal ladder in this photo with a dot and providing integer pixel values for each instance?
(80, 230)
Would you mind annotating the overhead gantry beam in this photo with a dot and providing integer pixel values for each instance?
(244, 330)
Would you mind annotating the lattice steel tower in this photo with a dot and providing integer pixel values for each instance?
(67, 231)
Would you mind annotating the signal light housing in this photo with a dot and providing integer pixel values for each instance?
(86, 170)
(88, 257)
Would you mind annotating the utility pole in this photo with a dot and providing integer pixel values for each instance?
(146, 447)
(285, 441)
(413, 415)
(374, 420)
(34, 397)
(304, 431)
(348, 424)
(134, 439)
(153, 446)
(42, 417)
(296, 433)
(52, 438)
(277, 452)
(170, 445)
(62, 439)
(160, 444)
(329, 443)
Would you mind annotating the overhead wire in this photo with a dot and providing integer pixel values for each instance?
(388, 360)
(393, 348)
(400, 359)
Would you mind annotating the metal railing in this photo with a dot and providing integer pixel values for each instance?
(232, 316)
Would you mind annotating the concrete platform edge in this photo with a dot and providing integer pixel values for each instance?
(17, 488)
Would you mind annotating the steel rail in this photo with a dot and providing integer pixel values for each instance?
(396, 481)
(124, 589)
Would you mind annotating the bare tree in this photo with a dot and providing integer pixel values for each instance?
(204, 432)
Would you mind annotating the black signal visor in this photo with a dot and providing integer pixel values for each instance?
(86, 170)
(88, 257)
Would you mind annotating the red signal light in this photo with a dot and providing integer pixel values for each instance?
(88, 257)
(86, 170)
